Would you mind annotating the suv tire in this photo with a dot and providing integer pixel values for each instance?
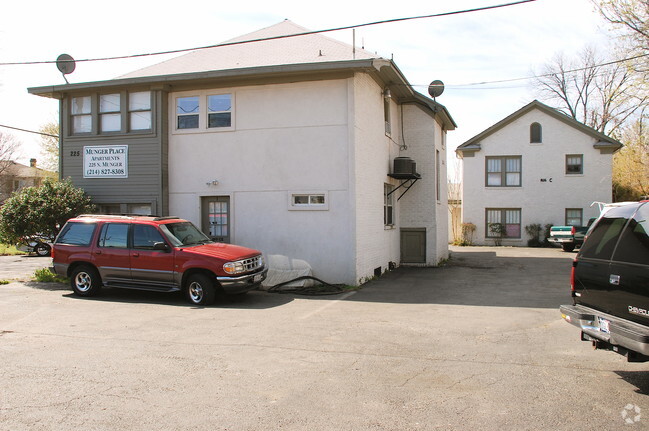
(200, 289)
(42, 249)
(568, 247)
(85, 281)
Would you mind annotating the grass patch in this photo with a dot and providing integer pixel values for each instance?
(4, 282)
(46, 276)
(9, 250)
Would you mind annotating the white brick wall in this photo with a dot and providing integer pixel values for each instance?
(540, 202)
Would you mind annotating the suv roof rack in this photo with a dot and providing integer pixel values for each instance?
(128, 216)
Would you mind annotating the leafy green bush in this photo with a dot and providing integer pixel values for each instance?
(41, 210)
(46, 276)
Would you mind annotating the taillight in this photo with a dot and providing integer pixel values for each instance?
(572, 276)
(52, 252)
(573, 230)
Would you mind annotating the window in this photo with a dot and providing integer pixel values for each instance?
(187, 109)
(503, 223)
(574, 164)
(437, 175)
(76, 234)
(139, 110)
(504, 171)
(110, 118)
(386, 115)
(219, 110)
(308, 201)
(574, 216)
(388, 205)
(604, 236)
(634, 242)
(114, 235)
(536, 133)
(145, 236)
(80, 111)
(109, 113)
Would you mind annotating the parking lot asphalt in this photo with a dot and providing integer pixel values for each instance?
(478, 344)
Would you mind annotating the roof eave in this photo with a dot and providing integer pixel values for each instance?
(56, 91)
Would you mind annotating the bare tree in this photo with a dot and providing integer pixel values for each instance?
(8, 150)
(631, 17)
(454, 191)
(601, 94)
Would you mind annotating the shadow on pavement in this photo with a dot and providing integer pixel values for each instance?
(639, 379)
(479, 278)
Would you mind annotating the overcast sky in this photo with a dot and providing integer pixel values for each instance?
(460, 50)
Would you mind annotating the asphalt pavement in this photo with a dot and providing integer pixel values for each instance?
(478, 344)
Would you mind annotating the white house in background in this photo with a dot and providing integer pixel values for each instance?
(536, 166)
(286, 145)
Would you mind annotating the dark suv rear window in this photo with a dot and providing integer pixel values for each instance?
(602, 239)
(634, 243)
(76, 234)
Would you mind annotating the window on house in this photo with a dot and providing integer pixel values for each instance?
(503, 223)
(219, 110)
(386, 115)
(574, 164)
(503, 171)
(80, 111)
(187, 109)
(139, 110)
(574, 216)
(536, 133)
(437, 175)
(388, 204)
(309, 199)
(110, 117)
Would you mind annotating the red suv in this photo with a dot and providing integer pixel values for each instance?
(163, 254)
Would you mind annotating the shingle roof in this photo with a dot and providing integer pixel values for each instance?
(309, 48)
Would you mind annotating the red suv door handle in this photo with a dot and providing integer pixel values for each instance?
(136, 255)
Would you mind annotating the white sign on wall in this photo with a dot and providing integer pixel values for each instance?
(106, 161)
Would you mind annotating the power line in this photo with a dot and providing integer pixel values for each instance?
(387, 21)
(29, 131)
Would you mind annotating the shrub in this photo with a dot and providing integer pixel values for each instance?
(46, 276)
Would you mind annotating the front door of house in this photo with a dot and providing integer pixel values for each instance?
(215, 217)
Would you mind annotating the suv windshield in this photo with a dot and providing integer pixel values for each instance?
(183, 234)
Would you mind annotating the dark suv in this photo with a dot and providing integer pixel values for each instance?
(152, 253)
(610, 282)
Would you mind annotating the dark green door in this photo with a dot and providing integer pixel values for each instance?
(413, 245)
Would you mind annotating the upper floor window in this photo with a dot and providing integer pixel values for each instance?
(81, 114)
(139, 110)
(503, 171)
(574, 164)
(110, 119)
(187, 109)
(219, 110)
(536, 133)
(111, 113)
(386, 115)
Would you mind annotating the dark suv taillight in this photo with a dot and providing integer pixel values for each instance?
(572, 277)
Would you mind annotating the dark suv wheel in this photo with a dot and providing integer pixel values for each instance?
(200, 289)
(85, 280)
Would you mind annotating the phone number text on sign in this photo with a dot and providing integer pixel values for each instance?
(109, 161)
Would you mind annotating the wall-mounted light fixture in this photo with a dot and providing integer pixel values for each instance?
(212, 183)
(387, 94)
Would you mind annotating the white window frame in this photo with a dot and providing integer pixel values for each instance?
(203, 111)
(388, 205)
(312, 198)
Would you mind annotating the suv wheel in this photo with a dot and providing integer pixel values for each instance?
(200, 289)
(85, 281)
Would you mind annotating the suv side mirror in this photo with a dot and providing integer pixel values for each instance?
(162, 246)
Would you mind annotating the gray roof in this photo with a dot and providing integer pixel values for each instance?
(281, 50)
(604, 141)
(302, 53)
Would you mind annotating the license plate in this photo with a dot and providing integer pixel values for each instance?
(604, 325)
(257, 278)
